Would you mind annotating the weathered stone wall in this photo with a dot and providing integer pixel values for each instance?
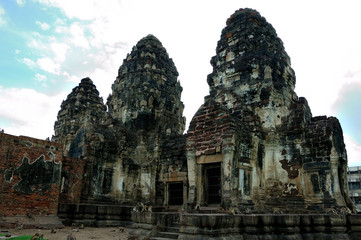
(30, 171)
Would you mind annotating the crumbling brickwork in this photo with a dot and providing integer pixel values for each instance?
(30, 171)
(72, 180)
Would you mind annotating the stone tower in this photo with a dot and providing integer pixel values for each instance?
(145, 100)
(129, 150)
(83, 107)
(146, 94)
(254, 143)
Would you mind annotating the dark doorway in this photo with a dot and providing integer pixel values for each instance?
(214, 189)
(176, 193)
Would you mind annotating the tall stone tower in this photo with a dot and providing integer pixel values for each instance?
(82, 108)
(146, 94)
(256, 136)
(145, 99)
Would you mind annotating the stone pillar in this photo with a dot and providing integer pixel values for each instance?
(335, 181)
(226, 172)
(192, 173)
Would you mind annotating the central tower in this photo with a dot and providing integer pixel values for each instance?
(146, 94)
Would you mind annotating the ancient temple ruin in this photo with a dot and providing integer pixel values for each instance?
(130, 149)
(253, 147)
(269, 152)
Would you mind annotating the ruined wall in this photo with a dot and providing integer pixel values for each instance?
(72, 180)
(30, 172)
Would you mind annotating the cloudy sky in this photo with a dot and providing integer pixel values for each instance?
(48, 46)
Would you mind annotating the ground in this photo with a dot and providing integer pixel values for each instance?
(80, 234)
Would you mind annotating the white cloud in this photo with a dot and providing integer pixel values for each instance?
(21, 3)
(60, 51)
(78, 38)
(30, 63)
(48, 65)
(84, 9)
(70, 78)
(43, 25)
(40, 78)
(31, 113)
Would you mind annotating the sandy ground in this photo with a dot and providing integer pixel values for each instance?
(80, 234)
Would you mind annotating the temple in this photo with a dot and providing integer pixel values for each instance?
(253, 148)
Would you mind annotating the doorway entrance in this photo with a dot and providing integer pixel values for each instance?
(176, 193)
(213, 186)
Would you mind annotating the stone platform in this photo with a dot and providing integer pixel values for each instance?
(246, 226)
(95, 215)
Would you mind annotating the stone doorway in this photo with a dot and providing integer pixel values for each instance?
(213, 184)
(176, 193)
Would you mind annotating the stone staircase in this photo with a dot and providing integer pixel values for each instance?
(155, 225)
(170, 232)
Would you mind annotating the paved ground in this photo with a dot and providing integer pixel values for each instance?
(80, 234)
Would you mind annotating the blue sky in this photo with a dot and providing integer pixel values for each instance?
(48, 46)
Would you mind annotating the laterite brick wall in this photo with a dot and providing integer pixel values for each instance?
(30, 172)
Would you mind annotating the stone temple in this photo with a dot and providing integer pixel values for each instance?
(254, 161)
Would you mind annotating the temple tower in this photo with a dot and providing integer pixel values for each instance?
(82, 107)
(266, 148)
(145, 99)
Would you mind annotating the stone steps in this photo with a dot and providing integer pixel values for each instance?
(168, 235)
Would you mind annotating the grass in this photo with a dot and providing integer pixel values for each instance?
(26, 237)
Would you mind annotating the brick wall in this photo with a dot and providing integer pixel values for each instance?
(30, 171)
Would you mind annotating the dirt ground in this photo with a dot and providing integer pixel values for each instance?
(80, 234)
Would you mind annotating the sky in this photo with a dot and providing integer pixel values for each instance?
(48, 46)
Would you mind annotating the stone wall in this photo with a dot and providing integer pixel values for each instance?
(30, 171)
